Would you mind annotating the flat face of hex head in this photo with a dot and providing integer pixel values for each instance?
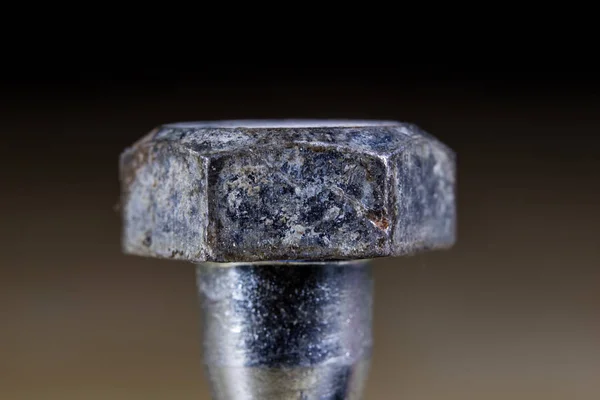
(243, 191)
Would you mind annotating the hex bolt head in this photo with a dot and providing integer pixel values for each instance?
(241, 191)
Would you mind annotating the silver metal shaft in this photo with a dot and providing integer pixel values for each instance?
(287, 330)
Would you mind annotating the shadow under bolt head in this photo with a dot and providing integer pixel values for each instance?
(247, 191)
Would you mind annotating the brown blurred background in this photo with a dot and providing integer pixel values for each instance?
(511, 312)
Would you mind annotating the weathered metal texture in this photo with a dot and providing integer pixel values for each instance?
(230, 191)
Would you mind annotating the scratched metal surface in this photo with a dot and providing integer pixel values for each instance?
(230, 191)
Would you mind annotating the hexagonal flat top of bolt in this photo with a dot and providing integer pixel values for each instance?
(232, 191)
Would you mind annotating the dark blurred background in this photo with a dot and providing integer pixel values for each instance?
(511, 312)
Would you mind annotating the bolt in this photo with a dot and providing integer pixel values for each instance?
(282, 219)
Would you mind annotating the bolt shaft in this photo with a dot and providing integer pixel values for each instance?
(287, 330)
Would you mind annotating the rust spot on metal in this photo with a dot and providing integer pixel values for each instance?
(382, 223)
(132, 161)
(135, 157)
(378, 220)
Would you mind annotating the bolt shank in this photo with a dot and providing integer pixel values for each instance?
(287, 330)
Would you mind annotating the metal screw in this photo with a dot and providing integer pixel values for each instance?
(282, 218)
